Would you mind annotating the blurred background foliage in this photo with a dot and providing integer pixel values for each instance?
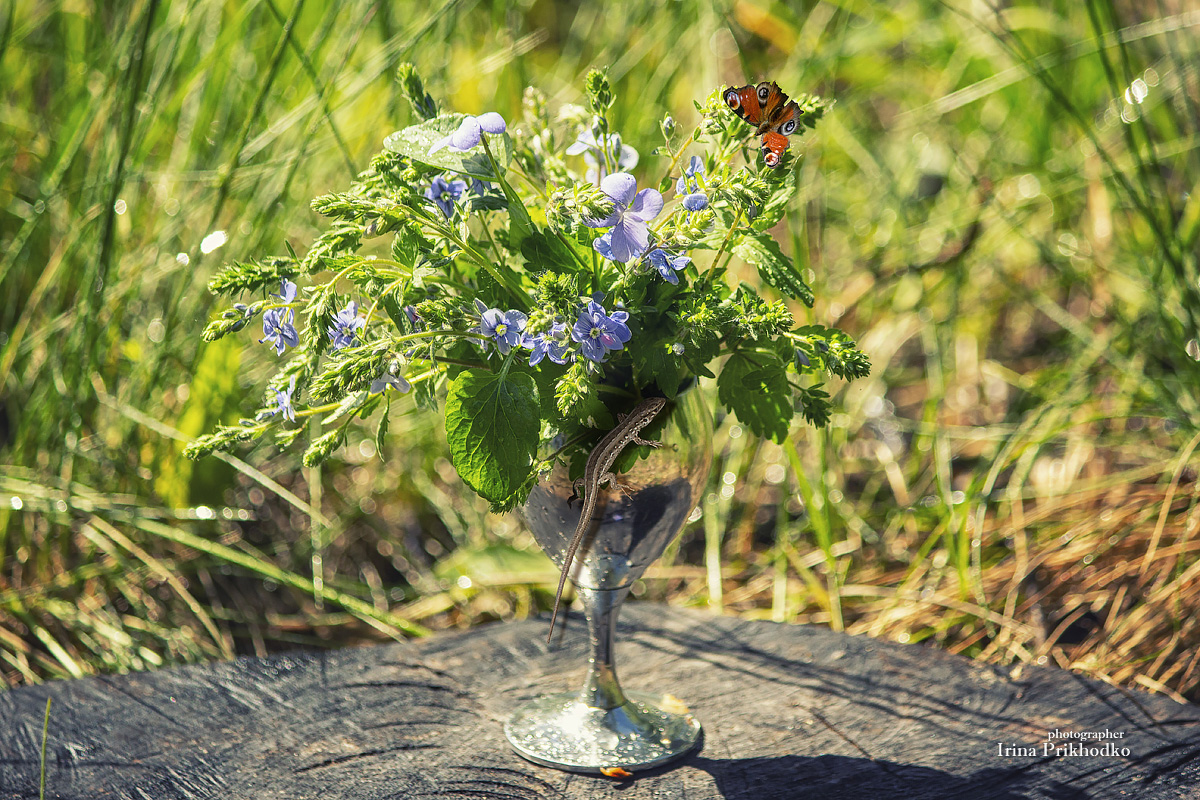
(1002, 207)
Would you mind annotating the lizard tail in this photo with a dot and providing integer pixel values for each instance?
(554, 613)
(562, 581)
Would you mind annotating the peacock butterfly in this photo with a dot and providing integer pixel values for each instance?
(769, 110)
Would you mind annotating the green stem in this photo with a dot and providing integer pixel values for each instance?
(729, 235)
(507, 363)
(505, 186)
(378, 297)
(567, 245)
(519, 295)
(675, 158)
(487, 232)
(574, 440)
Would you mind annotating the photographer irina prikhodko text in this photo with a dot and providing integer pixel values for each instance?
(1059, 744)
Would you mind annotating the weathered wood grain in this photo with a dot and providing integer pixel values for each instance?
(789, 712)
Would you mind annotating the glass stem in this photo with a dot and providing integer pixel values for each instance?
(601, 689)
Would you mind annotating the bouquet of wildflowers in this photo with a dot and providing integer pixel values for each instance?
(532, 289)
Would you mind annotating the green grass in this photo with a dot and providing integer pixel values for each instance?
(1011, 240)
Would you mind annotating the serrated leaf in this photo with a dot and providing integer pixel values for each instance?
(755, 388)
(416, 140)
(492, 426)
(391, 304)
(546, 252)
(348, 404)
(773, 266)
(408, 245)
(658, 364)
(783, 189)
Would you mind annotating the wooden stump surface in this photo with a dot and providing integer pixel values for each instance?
(789, 711)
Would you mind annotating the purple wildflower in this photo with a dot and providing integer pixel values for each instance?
(667, 265)
(552, 343)
(277, 322)
(503, 327)
(443, 193)
(593, 154)
(629, 236)
(283, 402)
(687, 182)
(389, 379)
(346, 326)
(598, 332)
(469, 133)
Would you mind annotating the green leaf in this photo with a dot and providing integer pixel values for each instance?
(415, 141)
(349, 403)
(783, 189)
(545, 252)
(774, 267)
(492, 426)
(656, 363)
(409, 244)
(391, 304)
(545, 375)
(815, 406)
(755, 388)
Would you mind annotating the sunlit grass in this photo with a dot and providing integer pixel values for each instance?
(1001, 207)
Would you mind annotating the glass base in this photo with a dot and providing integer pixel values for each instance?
(563, 732)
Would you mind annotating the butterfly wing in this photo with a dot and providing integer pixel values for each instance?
(773, 146)
(745, 103)
(774, 103)
(786, 120)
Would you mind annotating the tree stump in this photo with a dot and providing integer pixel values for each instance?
(789, 711)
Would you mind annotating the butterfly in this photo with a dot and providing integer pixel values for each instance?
(774, 116)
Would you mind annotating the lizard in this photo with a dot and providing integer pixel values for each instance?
(597, 471)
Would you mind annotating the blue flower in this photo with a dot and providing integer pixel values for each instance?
(552, 343)
(346, 326)
(287, 291)
(443, 193)
(598, 332)
(469, 133)
(593, 154)
(503, 327)
(277, 322)
(283, 402)
(687, 181)
(388, 379)
(666, 264)
(629, 236)
(690, 186)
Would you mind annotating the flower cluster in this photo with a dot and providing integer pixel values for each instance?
(515, 300)
(596, 332)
